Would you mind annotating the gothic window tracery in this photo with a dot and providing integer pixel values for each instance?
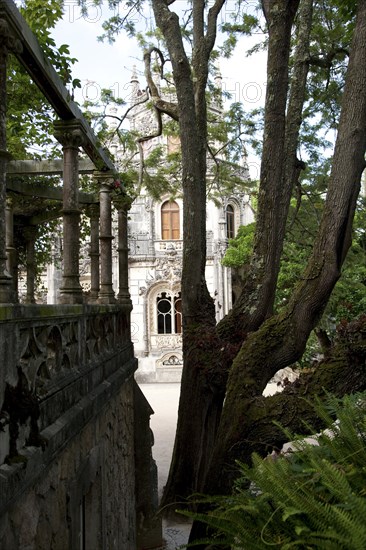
(169, 313)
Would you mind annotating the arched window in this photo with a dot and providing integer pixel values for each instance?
(170, 221)
(230, 222)
(169, 313)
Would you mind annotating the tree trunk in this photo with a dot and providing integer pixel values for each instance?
(197, 417)
(281, 340)
(255, 303)
(205, 371)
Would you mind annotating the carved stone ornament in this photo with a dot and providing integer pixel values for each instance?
(173, 341)
(121, 202)
(105, 179)
(8, 40)
(69, 133)
(169, 268)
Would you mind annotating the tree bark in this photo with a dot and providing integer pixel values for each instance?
(281, 340)
(255, 303)
(342, 372)
(205, 371)
(197, 418)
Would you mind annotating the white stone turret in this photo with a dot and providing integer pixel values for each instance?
(135, 87)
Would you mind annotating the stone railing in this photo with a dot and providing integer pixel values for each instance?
(166, 341)
(164, 246)
(60, 364)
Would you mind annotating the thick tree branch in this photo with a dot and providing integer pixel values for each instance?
(212, 25)
(142, 139)
(198, 24)
(160, 104)
(327, 61)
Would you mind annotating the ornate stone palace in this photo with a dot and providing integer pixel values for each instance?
(155, 243)
(76, 470)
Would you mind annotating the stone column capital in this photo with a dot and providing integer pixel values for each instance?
(122, 202)
(93, 211)
(30, 232)
(107, 180)
(70, 133)
(7, 40)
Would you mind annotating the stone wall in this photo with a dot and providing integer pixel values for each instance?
(88, 491)
(69, 420)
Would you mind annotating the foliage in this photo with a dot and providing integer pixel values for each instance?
(348, 299)
(30, 118)
(311, 498)
(30, 123)
(240, 249)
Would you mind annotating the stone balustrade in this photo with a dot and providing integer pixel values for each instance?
(53, 358)
(73, 428)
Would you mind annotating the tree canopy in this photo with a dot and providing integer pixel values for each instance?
(305, 206)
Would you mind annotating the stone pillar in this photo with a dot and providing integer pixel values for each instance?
(70, 134)
(7, 43)
(11, 253)
(30, 234)
(123, 204)
(93, 213)
(106, 182)
(150, 209)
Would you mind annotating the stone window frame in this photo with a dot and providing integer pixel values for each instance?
(232, 203)
(172, 318)
(158, 218)
(164, 286)
(164, 361)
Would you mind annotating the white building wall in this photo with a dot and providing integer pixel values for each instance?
(155, 264)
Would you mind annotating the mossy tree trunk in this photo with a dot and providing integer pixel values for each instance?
(280, 141)
(207, 352)
(281, 340)
(197, 417)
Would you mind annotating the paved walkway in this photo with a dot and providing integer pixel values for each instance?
(164, 398)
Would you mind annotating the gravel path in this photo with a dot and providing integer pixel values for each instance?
(164, 398)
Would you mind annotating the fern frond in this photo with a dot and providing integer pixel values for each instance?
(314, 498)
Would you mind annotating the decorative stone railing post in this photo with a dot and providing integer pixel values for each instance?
(7, 43)
(70, 134)
(11, 253)
(93, 213)
(30, 234)
(106, 182)
(123, 203)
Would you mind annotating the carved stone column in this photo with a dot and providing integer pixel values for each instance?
(123, 204)
(70, 134)
(106, 293)
(93, 213)
(30, 235)
(11, 253)
(7, 43)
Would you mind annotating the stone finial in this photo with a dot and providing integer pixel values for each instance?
(218, 75)
(135, 85)
(134, 77)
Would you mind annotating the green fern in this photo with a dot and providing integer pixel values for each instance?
(313, 498)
